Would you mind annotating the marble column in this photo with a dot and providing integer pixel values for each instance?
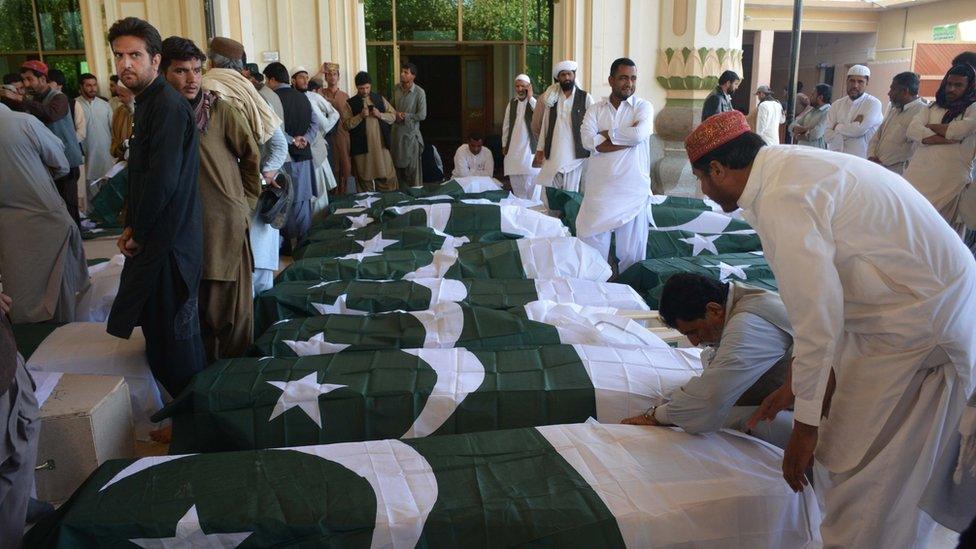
(699, 39)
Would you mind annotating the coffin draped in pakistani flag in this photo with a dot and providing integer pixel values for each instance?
(299, 299)
(450, 324)
(367, 395)
(662, 217)
(559, 257)
(460, 219)
(376, 238)
(586, 485)
(662, 244)
(648, 276)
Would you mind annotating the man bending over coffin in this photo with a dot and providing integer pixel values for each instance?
(749, 346)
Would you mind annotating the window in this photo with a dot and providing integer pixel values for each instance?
(523, 24)
(49, 30)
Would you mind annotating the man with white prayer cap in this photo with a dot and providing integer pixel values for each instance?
(518, 141)
(880, 293)
(615, 131)
(853, 119)
(560, 151)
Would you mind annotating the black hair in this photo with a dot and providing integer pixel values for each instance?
(685, 296)
(728, 76)
(277, 71)
(177, 48)
(86, 76)
(799, 86)
(133, 26)
(625, 61)
(56, 76)
(410, 67)
(114, 79)
(826, 91)
(735, 155)
(908, 80)
(965, 58)
(313, 85)
(475, 136)
(362, 78)
(11, 78)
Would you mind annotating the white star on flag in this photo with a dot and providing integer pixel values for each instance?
(303, 393)
(701, 243)
(375, 244)
(366, 202)
(359, 221)
(189, 534)
(727, 271)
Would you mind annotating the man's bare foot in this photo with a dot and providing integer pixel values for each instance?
(162, 436)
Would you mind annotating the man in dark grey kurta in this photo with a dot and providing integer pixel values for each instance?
(163, 236)
(410, 102)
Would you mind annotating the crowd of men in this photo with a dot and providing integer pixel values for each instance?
(869, 343)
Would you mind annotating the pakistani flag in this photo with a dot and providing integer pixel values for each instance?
(450, 324)
(648, 276)
(567, 203)
(299, 299)
(562, 257)
(667, 218)
(583, 485)
(375, 238)
(472, 188)
(361, 202)
(460, 219)
(107, 203)
(365, 395)
(661, 244)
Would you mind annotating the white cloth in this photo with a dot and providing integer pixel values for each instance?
(941, 172)
(467, 164)
(619, 182)
(524, 78)
(891, 144)
(843, 134)
(567, 65)
(96, 303)
(562, 155)
(631, 241)
(769, 115)
(859, 70)
(478, 184)
(518, 161)
(523, 186)
(879, 290)
(97, 142)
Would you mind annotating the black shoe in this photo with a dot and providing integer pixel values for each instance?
(37, 510)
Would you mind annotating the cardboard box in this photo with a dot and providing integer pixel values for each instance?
(86, 421)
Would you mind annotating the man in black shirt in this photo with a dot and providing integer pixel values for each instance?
(163, 236)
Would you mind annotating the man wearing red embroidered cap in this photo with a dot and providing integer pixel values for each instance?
(51, 107)
(878, 289)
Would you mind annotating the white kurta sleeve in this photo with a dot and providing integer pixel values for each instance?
(590, 137)
(916, 128)
(49, 148)
(961, 128)
(488, 168)
(461, 167)
(639, 133)
(873, 144)
(872, 118)
(802, 256)
(834, 139)
(542, 132)
(505, 125)
(331, 117)
(81, 124)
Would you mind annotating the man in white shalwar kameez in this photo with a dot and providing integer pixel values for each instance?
(616, 131)
(942, 165)
(473, 159)
(560, 150)
(880, 293)
(42, 261)
(518, 141)
(97, 142)
(853, 119)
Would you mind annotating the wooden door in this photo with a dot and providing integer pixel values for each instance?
(476, 99)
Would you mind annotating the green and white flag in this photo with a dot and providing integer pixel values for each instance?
(560, 257)
(667, 218)
(375, 238)
(366, 395)
(450, 324)
(299, 299)
(648, 276)
(460, 219)
(582, 485)
(661, 244)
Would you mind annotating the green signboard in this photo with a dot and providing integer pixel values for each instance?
(945, 32)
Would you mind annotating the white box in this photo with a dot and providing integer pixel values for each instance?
(86, 421)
